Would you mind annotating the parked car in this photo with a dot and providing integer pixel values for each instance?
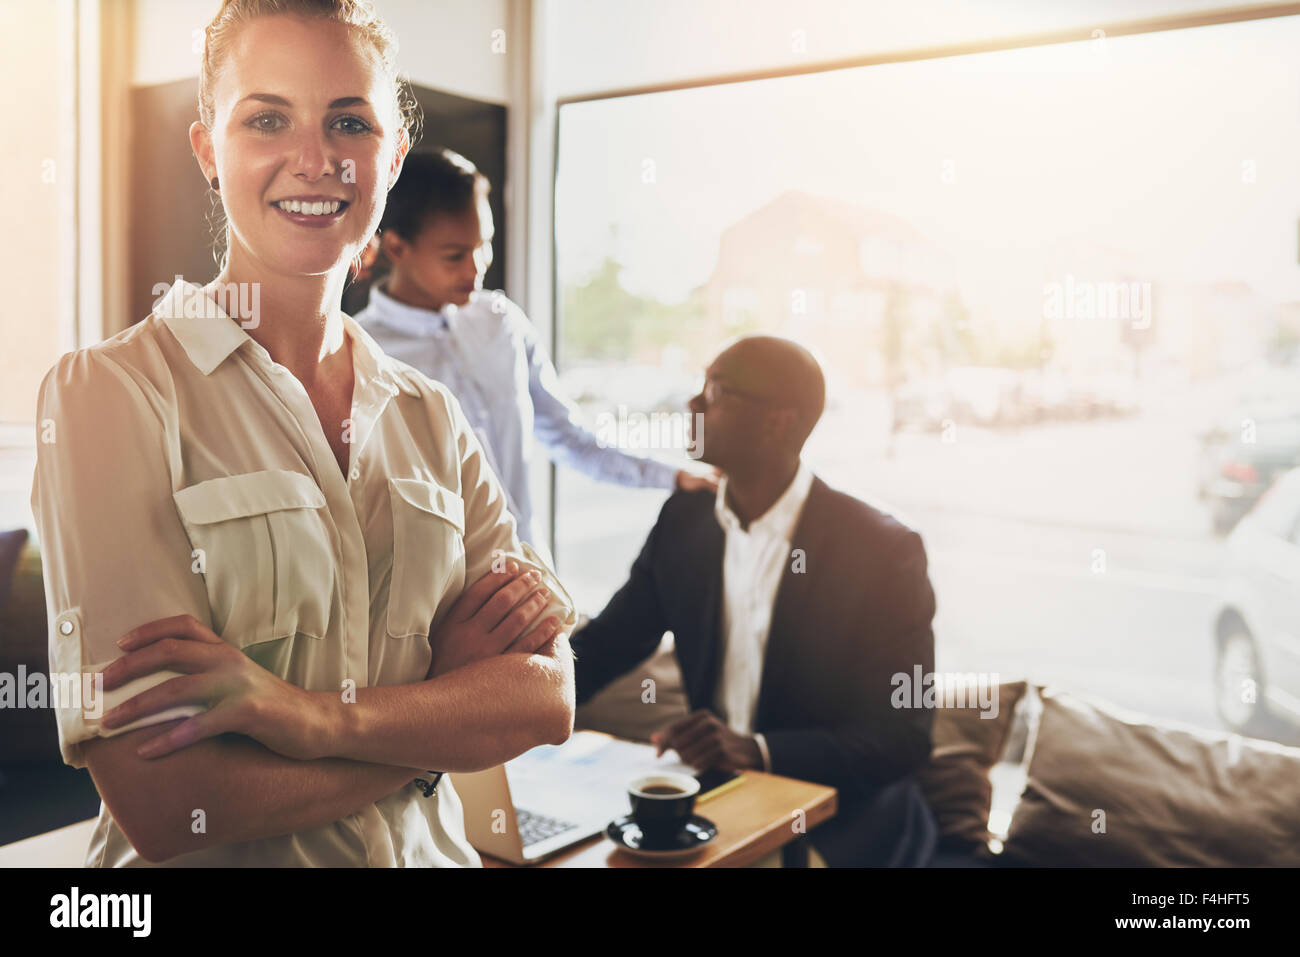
(1257, 629)
(1242, 457)
(922, 404)
(970, 395)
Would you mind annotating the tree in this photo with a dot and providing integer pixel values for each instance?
(602, 321)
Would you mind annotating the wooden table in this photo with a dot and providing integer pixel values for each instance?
(755, 817)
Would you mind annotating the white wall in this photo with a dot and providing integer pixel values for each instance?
(444, 44)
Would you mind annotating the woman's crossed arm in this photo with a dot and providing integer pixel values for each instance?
(494, 690)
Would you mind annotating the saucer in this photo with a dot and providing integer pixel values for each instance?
(698, 833)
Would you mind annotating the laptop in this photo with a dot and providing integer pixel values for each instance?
(554, 796)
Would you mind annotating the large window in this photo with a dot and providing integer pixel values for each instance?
(1056, 296)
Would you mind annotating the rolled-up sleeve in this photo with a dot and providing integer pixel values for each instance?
(491, 534)
(114, 552)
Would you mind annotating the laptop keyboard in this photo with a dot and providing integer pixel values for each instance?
(538, 827)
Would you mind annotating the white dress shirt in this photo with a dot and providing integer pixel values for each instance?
(180, 470)
(753, 563)
(490, 356)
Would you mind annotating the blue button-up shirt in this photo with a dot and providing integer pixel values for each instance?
(490, 356)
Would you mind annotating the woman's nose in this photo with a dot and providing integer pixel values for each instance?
(313, 158)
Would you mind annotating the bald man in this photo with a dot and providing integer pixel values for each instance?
(792, 606)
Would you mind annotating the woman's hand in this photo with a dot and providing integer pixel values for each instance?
(489, 619)
(241, 695)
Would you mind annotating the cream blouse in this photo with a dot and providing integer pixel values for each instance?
(181, 470)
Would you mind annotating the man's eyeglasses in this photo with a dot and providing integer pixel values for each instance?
(712, 390)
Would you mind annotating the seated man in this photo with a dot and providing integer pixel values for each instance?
(792, 606)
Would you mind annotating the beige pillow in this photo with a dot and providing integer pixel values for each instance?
(1111, 787)
(619, 708)
(956, 781)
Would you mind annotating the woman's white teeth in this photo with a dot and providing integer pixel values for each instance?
(311, 209)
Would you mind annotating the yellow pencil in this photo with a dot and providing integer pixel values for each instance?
(710, 795)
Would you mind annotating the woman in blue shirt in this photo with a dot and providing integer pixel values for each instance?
(432, 313)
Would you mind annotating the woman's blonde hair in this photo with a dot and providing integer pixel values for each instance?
(219, 35)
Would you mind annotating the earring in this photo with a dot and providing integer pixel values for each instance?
(214, 184)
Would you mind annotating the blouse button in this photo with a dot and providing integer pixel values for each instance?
(66, 628)
(356, 474)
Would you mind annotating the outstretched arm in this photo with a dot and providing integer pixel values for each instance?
(568, 442)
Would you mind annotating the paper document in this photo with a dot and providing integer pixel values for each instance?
(586, 777)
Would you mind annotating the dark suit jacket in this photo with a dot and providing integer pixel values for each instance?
(855, 614)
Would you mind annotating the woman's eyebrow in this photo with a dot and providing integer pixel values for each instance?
(281, 101)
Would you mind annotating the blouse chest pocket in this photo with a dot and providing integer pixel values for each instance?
(428, 553)
(263, 545)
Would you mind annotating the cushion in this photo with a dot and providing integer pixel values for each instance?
(1111, 787)
(23, 636)
(618, 708)
(956, 782)
(26, 734)
(11, 545)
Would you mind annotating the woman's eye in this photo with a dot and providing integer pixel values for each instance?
(270, 122)
(359, 125)
(258, 122)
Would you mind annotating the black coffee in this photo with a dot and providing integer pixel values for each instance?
(662, 789)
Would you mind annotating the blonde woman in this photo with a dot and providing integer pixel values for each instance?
(260, 528)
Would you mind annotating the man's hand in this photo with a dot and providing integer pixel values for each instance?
(489, 619)
(690, 481)
(704, 743)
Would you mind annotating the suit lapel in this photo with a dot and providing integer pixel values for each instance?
(792, 597)
(703, 676)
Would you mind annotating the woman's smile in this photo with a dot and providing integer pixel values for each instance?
(313, 212)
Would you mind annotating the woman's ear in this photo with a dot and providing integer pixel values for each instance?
(201, 143)
(399, 156)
